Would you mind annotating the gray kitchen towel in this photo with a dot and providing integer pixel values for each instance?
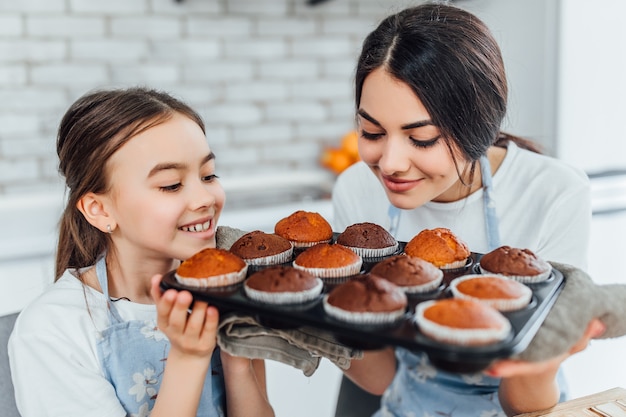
(579, 302)
(302, 348)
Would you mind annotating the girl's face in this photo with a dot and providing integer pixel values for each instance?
(402, 146)
(164, 196)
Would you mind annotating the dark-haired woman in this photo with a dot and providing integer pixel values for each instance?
(431, 94)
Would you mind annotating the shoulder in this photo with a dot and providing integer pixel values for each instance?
(534, 167)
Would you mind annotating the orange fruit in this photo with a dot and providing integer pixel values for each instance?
(350, 144)
(336, 159)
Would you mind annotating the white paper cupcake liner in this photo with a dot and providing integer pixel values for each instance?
(302, 245)
(426, 287)
(501, 304)
(359, 317)
(525, 279)
(454, 265)
(285, 297)
(216, 281)
(374, 252)
(457, 336)
(339, 272)
(279, 258)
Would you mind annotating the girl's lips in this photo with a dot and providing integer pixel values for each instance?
(397, 185)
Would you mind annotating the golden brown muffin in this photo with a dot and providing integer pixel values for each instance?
(366, 299)
(461, 322)
(304, 229)
(327, 260)
(520, 264)
(413, 275)
(212, 267)
(282, 285)
(440, 247)
(498, 291)
(260, 248)
(368, 240)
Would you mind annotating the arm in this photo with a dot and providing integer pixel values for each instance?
(246, 393)
(374, 372)
(526, 386)
(193, 339)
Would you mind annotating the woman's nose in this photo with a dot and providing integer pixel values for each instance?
(394, 157)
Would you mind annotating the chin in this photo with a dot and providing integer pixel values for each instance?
(405, 202)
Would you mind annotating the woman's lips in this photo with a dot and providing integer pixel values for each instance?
(397, 185)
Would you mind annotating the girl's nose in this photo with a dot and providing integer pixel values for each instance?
(394, 157)
(202, 195)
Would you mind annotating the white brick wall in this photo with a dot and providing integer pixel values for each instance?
(273, 79)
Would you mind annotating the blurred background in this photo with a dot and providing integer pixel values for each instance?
(273, 81)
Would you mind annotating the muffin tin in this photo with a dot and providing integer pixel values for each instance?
(404, 332)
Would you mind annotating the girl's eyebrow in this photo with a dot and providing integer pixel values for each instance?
(409, 126)
(175, 165)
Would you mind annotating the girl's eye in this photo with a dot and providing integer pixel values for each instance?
(425, 143)
(171, 188)
(210, 178)
(370, 136)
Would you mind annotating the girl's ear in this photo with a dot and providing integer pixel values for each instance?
(93, 208)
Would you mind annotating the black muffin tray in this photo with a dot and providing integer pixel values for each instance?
(404, 332)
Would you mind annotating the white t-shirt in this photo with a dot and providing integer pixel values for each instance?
(53, 345)
(542, 204)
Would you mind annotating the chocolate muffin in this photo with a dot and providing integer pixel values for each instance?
(260, 248)
(282, 285)
(412, 275)
(366, 299)
(519, 264)
(368, 240)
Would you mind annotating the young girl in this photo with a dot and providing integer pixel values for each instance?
(103, 340)
(431, 94)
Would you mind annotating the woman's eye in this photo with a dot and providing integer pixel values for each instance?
(425, 143)
(210, 178)
(370, 136)
(171, 188)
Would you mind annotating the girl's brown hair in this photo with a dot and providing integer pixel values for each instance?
(93, 128)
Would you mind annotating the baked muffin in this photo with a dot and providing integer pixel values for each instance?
(461, 322)
(282, 285)
(500, 292)
(328, 260)
(304, 229)
(519, 264)
(440, 247)
(211, 267)
(367, 299)
(260, 248)
(412, 275)
(368, 240)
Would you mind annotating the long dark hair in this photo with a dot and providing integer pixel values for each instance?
(92, 129)
(450, 60)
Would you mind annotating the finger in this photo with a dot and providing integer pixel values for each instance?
(155, 290)
(195, 321)
(210, 323)
(180, 311)
(595, 328)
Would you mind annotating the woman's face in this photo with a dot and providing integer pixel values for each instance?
(402, 147)
(164, 195)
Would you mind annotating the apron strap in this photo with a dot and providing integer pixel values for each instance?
(489, 205)
(101, 273)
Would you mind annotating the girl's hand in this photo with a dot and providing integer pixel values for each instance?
(189, 333)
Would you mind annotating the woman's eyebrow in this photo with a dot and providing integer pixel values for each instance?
(414, 125)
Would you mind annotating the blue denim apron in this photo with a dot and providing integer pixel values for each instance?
(421, 390)
(133, 354)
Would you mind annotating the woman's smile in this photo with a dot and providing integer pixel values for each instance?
(398, 185)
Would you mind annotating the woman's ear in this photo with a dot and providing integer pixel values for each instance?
(93, 208)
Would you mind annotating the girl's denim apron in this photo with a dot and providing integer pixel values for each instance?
(133, 356)
(421, 390)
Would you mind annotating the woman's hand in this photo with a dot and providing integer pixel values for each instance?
(189, 333)
(532, 386)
